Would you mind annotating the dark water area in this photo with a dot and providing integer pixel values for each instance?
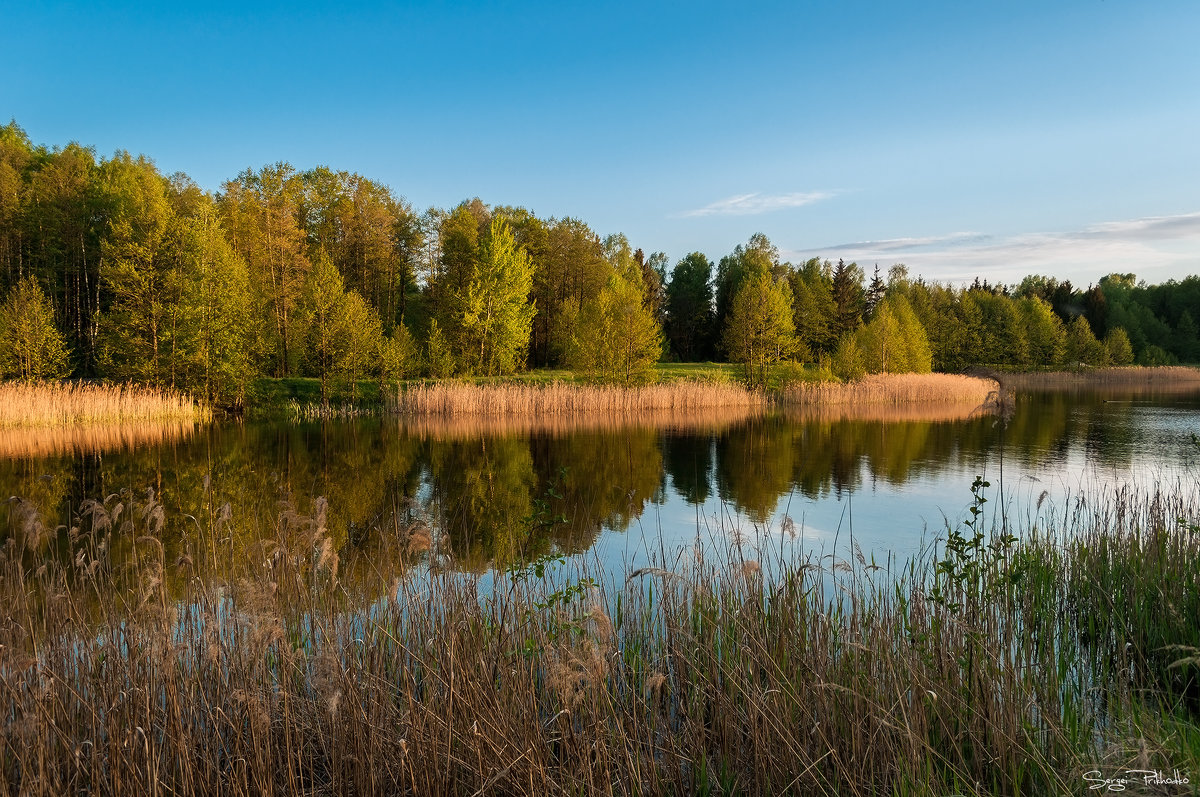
(490, 496)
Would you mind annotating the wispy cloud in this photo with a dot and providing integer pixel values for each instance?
(1144, 246)
(754, 204)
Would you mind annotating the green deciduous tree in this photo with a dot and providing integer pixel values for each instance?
(497, 316)
(616, 336)
(342, 331)
(31, 347)
(1120, 351)
(1082, 346)
(894, 341)
(759, 331)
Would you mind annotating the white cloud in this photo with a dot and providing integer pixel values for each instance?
(1153, 248)
(753, 204)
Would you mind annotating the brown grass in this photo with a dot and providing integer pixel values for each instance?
(455, 427)
(68, 403)
(24, 442)
(560, 398)
(1163, 379)
(893, 389)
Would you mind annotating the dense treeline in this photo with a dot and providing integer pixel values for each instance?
(109, 268)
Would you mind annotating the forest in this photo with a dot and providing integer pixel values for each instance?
(110, 269)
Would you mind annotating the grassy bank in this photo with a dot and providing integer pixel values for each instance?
(991, 666)
(24, 404)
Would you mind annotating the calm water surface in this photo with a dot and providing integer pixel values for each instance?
(491, 496)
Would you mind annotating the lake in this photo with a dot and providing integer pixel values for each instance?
(483, 495)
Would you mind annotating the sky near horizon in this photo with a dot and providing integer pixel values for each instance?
(995, 139)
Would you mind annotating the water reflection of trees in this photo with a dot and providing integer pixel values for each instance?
(494, 497)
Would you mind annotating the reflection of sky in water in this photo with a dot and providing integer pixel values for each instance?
(1107, 445)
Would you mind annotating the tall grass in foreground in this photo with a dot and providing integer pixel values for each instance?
(461, 398)
(74, 403)
(990, 667)
(941, 389)
(1159, 379)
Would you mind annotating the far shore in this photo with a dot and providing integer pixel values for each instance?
(680, 389)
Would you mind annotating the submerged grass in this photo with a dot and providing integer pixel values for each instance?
(989, 666)
(45, 404)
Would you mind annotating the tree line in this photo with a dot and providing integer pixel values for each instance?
(111, 269)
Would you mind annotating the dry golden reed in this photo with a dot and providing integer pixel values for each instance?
(1135, 378)
(561, 398)
(893, 389)
(73, 403)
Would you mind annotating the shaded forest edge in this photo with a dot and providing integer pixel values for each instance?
(991, 664)
(112, 270)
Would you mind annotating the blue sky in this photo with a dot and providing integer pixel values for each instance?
(960, 138)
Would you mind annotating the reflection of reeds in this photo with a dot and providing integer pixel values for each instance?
(929, 412)
(938, 389)
(455, 427)
(1133, 379)
(66, 403)
(460, 398)
(24, 442)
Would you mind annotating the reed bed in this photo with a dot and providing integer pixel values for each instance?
(1162, 379)
(459, 427)
(561, 398)
(892, 389)
(969, 671)
(45, 404)
(23, 442)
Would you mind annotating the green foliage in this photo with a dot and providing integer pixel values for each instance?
(1118, 347)
(848, 362)
(759, 331)
(689, 308)
(33, 348)
(1082, 346)
(342, 331)
(438, 357)
(894, 341)
(616, 337)
(497, 316)
(398, 355)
